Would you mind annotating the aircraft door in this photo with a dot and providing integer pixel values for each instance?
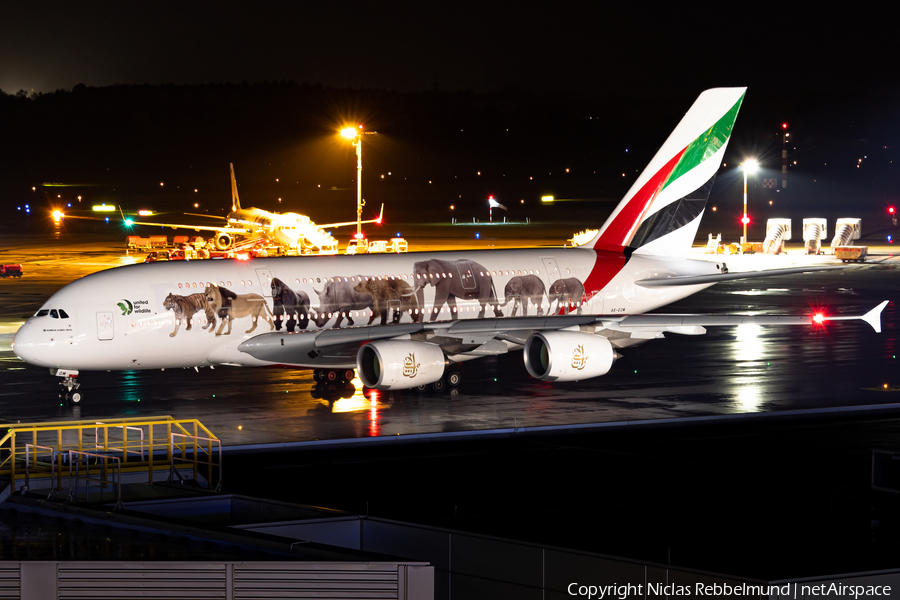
(466, 274)
(394, 315)
(265, 282)
(552, 270)
(105, 327)
(594, 304)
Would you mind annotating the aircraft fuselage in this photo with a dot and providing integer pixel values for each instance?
(137, 316)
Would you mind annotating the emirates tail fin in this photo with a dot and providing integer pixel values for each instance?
(661, 212)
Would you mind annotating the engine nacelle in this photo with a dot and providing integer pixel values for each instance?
(568, 355)
(399, 364)
(223, 241)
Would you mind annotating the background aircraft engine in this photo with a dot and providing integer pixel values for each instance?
(399, 364)
(567, 355)
(224, 241)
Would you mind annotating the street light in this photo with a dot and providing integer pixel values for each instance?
(749, 166)
(355, 135)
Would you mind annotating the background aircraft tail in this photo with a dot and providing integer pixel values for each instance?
(235, 201)
(661, 212)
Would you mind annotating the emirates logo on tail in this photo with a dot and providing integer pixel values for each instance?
(579, 358)
(410, 366)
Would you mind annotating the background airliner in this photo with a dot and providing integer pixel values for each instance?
(403, 320)
(292, 231)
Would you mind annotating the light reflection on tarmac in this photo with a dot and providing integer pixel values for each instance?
(728, 370)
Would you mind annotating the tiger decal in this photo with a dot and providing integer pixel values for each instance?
(185, 307)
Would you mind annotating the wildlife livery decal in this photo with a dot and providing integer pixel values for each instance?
(431, 290)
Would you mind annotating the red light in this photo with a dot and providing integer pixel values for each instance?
(819, 318)
(891, 210)
(378, 220)
(745, 220)
(784, 125)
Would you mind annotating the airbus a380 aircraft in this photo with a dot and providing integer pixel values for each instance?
(445, 307)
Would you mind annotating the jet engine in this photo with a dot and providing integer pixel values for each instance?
(567, 355)
(399, 364)
(223, 241)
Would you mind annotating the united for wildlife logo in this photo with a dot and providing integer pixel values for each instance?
(410, 366)
(126, 307)
(579, 358)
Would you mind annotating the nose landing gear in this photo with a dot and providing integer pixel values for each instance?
(70, 382)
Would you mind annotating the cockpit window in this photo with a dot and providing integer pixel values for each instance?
(53, 313)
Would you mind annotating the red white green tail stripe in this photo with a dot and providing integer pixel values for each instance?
(661, 212)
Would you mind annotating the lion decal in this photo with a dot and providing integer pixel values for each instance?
(185, 307)
(229, 306)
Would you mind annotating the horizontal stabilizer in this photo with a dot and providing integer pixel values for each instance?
(717, 277)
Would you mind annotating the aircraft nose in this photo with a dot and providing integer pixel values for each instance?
(23, 344)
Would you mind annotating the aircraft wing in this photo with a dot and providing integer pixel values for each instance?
(717, 277)
(484, 337)
(239, 230)
(378, 220)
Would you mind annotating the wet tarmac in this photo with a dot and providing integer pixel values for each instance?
(729, 370)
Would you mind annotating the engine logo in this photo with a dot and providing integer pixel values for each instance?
(579, 358)
(410, 366)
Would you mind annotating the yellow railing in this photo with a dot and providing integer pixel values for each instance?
(135, 441)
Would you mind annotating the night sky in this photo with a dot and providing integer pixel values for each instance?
(576, 47)
(514, 94)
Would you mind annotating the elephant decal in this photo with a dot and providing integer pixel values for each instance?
(566, 292)
(338, 298)
(287, 302)
(462, 278)
(389, 294)
(522, 288)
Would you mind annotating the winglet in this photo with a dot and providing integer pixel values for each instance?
(873, 317)
(381, 214)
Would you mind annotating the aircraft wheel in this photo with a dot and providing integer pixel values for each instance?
(331, 375)
(439, 385)
(76, 397)
(349, 375)
(453, 379)
(422, 387)
(318, 375)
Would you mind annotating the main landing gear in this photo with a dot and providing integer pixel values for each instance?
(334, 375)
(452, 379)
(70, 382)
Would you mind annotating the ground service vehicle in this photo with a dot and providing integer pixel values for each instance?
(10, 271)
